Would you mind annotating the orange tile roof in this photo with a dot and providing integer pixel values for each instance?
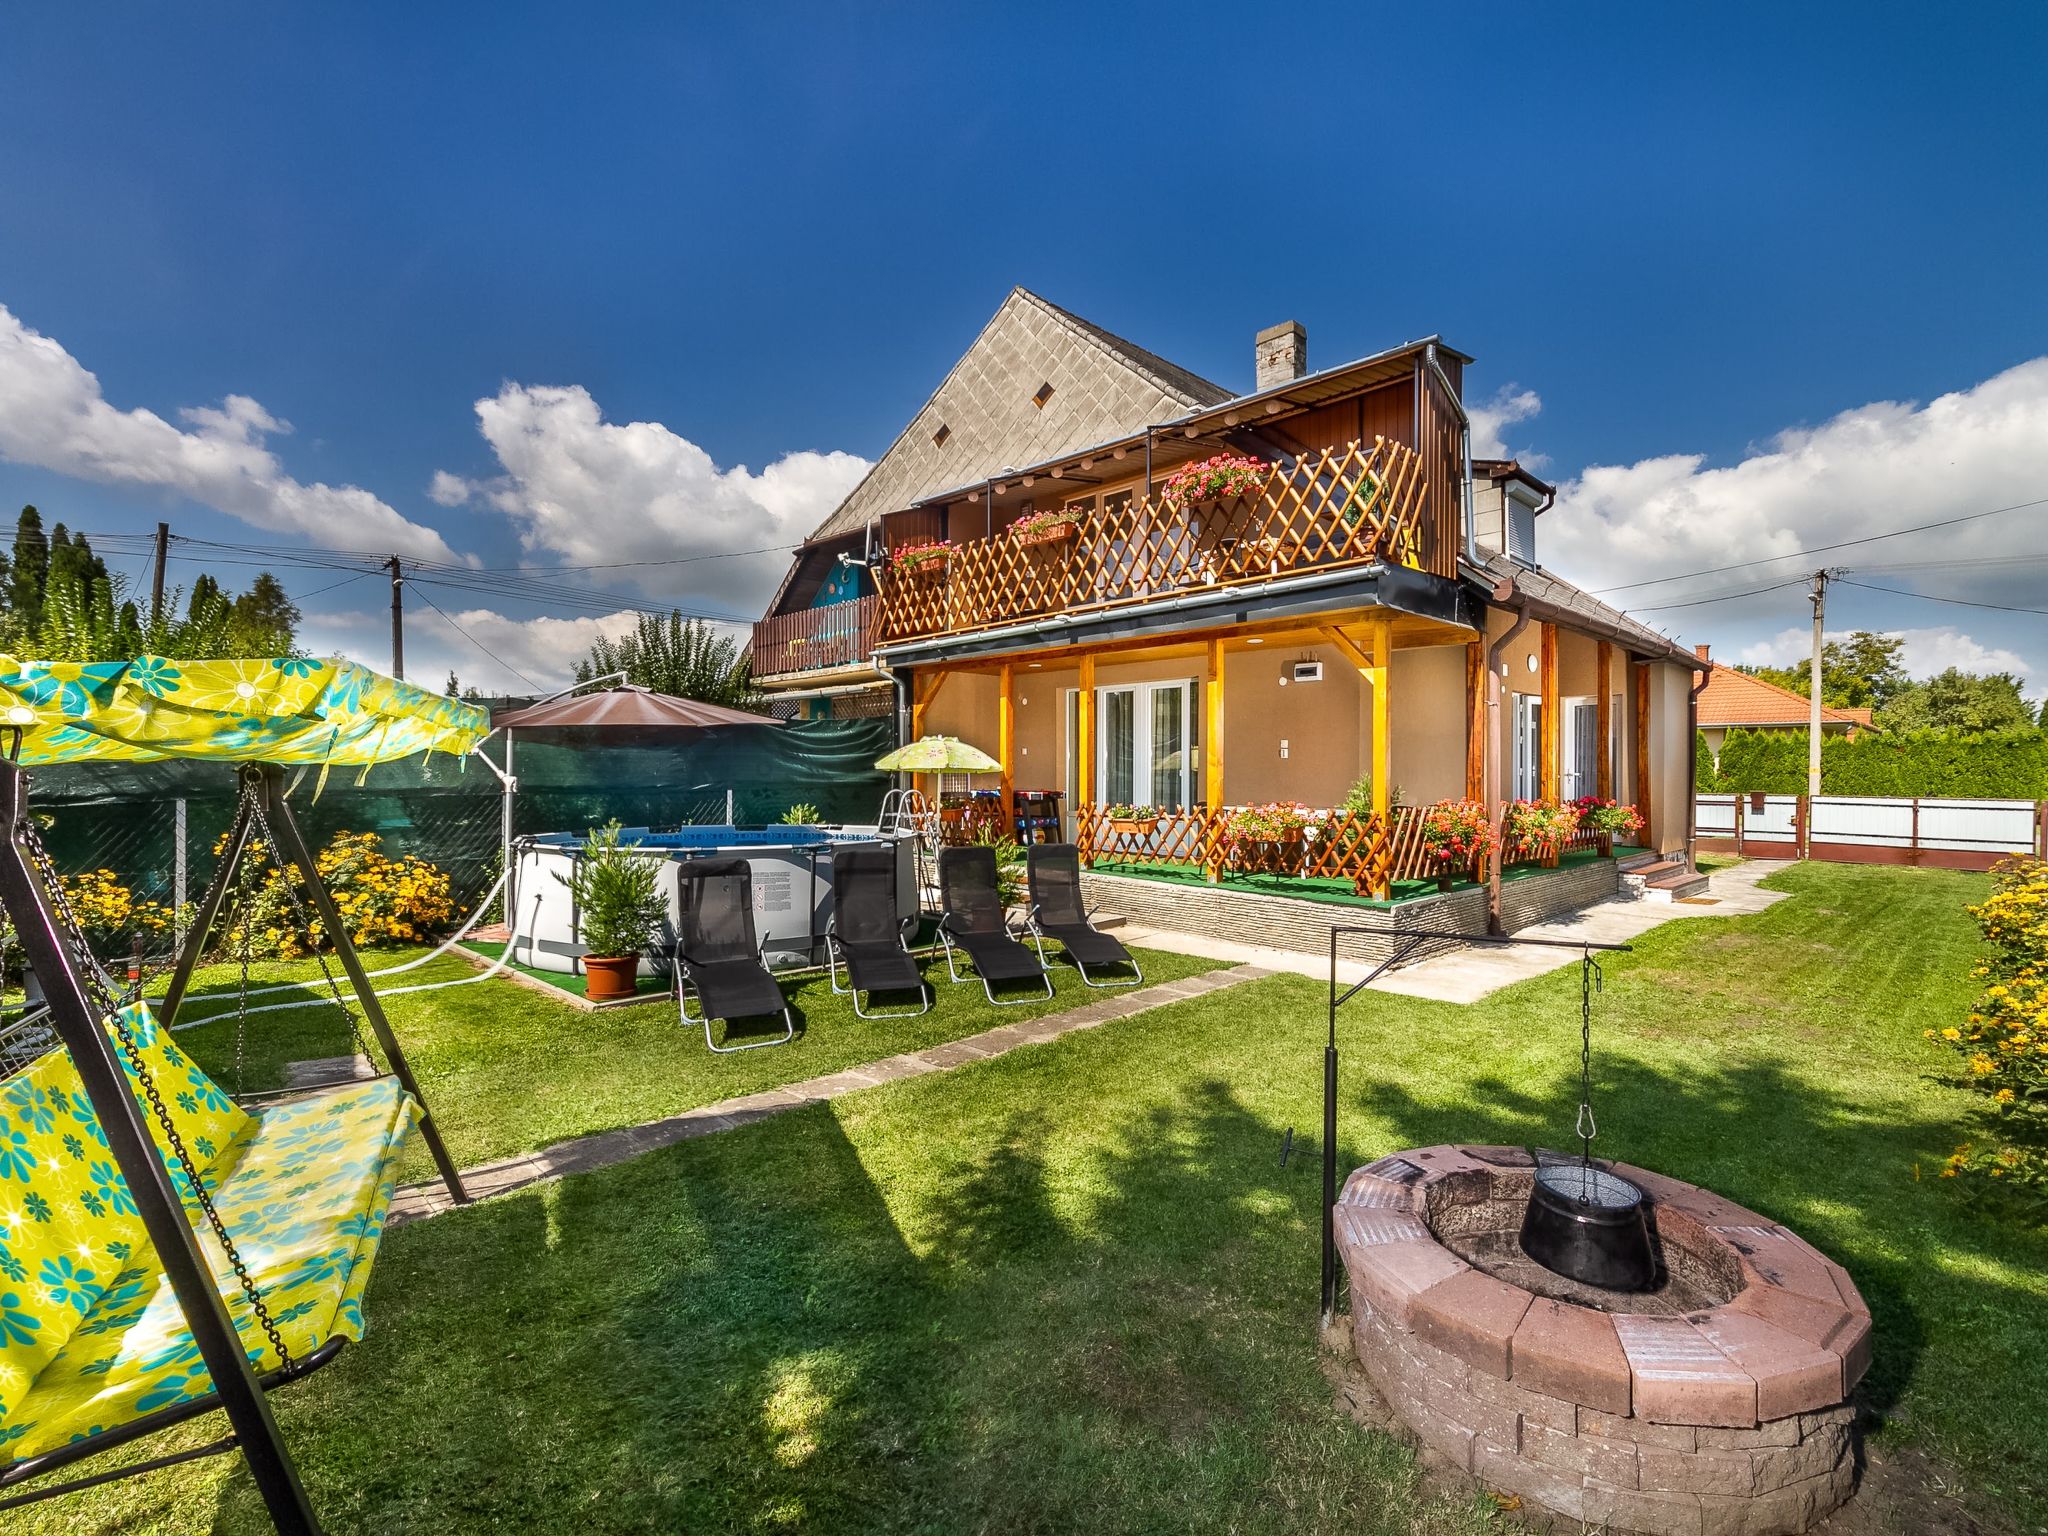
(1736, 698)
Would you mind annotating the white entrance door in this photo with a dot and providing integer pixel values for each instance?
(1142, 750)
(1581, 748)
(1528, 745)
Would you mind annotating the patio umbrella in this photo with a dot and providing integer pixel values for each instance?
(938, 754)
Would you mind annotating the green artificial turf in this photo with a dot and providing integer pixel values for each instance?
(1073, 1289)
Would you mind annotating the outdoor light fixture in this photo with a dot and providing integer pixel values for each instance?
(1532, 661)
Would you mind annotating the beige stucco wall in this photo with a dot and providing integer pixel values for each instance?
(1671, 754)
(1429, 720)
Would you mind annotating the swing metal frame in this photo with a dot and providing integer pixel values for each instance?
(75, 1013)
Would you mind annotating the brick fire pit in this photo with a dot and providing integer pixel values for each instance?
(1714, 1405)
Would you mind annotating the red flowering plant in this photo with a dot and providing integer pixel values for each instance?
(1219, 479)
(1281, 821)
(922, 554)
(1045, 520)
(1536, 824)
(1609, 816)
(1456, 833)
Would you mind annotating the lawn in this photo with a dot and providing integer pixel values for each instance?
(510, 1069)
(1073, 1288)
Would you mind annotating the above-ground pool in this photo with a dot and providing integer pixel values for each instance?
(792, 873)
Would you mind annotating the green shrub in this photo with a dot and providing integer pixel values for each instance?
(618, 907)
(1992, 765)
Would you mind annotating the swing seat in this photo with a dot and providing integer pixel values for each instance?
(91, 1336)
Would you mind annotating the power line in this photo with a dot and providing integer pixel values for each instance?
(1821, 549)
(1726, 597)
(472, 639)
(1931, 597)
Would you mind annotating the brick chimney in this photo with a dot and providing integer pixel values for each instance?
(1281, 355)
(1701, 652)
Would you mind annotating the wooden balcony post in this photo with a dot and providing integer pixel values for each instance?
(1551, 772)
(1212, 755)
(1382, 627)
(1084, 754)
(1475, 720)
(1006, 737)
(1603, 717)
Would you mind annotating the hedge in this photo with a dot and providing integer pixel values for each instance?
(1994, 765)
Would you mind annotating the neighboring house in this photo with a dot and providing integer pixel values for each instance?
(1736, 701)
(1367, 609)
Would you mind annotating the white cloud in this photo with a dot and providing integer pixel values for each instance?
(1509, 406)
(1926, 652)
(536, 653)
(591, 491)
(446, 490)
(1870, 470)
(53, 416)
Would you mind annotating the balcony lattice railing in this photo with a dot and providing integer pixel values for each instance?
(1361, 504)
(815, 639)
(1369, 850)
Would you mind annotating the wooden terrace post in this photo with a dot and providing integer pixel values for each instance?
(1550, 773)
(1212, 759)
(1383, 735)
(1084, 759)
(1006, 739)
(1643, 799)
(1603, 719)
(1475, 720)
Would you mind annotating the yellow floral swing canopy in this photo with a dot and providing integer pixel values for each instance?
(285, 709)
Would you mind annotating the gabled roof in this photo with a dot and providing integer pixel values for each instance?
(1736, 698)
(1551, 592)
(1102, 387)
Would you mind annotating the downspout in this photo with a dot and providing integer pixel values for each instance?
(1465, 445)
(1493, 739)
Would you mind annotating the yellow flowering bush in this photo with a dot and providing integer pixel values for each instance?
(107, 910)
(382, 900)
(2003, 1045)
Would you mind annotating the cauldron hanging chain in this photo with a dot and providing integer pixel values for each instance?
(1590, 981)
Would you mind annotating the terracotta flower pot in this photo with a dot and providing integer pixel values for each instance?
(607, 978)
(1445, 879)
(1052, 533)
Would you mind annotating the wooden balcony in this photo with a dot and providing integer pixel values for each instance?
(1359, 505)
(815, 639)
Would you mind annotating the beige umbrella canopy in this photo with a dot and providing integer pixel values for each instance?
(626, 707)
(938, 754)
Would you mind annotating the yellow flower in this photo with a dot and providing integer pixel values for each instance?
(1951, 1033)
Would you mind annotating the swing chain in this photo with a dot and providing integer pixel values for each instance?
(1590, 981)
(103, 999)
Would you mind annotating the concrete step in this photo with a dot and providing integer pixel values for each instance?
(1663, 880)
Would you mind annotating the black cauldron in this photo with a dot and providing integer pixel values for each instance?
(1589, 1225)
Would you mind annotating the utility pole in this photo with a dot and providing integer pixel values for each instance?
(398, 618)
(1820, 608)
(156, 575)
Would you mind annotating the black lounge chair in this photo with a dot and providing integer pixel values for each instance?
(717, 955)
(866, 933)
(1057, 913)
(973, 921)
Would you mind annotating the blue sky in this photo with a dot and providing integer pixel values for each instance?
(763, 233)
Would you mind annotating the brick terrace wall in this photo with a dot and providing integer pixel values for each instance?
(1539, 898)
(1289, 922)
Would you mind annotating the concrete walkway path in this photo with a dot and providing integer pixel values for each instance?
(414, 1202)
(1470, 974)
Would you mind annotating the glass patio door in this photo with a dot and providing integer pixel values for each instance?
(1143, 751)
(1528, 745)
(1581, 748)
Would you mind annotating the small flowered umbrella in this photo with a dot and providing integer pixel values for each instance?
(938, 754)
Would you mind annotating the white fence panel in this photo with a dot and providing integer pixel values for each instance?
(1715, 816)
(2002, 826)
(1866, 820)
(1775, 821)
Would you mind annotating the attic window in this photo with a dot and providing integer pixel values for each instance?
(939, 437)
(1044, 394)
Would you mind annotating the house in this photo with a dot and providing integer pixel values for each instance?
(1137, 587)
(1732, 700)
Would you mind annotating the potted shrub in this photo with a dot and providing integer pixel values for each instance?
(1047, 526)
(1456, 835)
(1540, 830)
(1132, 820)
(922, 557)
(618, 910)
(1609, 818)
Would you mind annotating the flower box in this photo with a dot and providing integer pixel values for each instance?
(927, 558)
(1045, 533)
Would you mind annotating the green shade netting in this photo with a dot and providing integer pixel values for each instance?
(285, 709)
